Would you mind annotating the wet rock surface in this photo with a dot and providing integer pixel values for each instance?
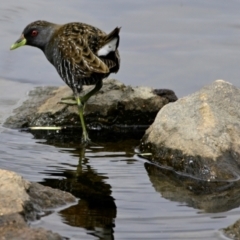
(199, 135)
(22, 201)
(115, 107)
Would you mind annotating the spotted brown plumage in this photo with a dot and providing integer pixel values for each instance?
(82, 54)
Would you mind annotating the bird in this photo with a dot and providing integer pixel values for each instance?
(81, 53)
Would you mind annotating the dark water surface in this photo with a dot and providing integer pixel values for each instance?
(177, 44)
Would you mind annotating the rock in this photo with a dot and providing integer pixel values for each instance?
(13, 226)
(199, 135)
(42, 198)
(233, 231)
(114, 107)
(21, 200)
(13, 192)
(23, 114)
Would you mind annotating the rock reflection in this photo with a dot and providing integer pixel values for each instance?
(212, 197)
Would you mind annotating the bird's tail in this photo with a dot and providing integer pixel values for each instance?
(110, 43)
(114, 34)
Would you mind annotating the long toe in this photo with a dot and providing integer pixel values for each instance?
(89, 142)
(68, 102)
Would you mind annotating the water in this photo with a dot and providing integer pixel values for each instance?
(177, 44)
(118, 199)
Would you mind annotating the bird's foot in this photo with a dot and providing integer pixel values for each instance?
(71, 101)
(68, 102)
(85, 139)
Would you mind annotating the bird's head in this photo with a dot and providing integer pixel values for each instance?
(36, 34)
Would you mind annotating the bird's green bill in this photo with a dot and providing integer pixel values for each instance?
(20, 42)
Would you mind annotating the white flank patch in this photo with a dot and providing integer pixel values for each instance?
(109, 47)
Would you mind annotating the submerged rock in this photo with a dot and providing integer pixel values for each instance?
(21, 201)
(116, 107)
(199, 135)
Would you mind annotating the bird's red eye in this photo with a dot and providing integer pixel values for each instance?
(34, 33)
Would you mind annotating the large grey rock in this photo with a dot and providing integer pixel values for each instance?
(20, 198)
(115, 104)
(199, 135)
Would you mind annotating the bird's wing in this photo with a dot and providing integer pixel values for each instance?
(82, 60)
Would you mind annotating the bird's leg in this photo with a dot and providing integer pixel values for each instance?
(85, 98)
(85, 137)
(81, 104)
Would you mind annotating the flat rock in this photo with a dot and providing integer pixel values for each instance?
(22, 201)
(199, 135)
(113, 106)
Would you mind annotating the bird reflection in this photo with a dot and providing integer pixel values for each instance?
(96, 210)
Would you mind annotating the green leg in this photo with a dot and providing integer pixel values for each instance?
(72, 100)
(68, 102)
(81, 103)
(85, 137)
(98, 86)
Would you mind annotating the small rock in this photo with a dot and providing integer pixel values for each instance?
(14, 227)
(21, 200)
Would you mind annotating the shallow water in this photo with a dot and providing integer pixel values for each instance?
(181, 45)
(118, 199)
